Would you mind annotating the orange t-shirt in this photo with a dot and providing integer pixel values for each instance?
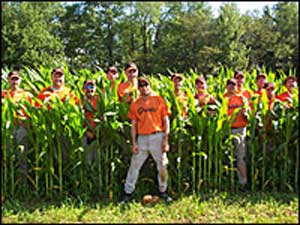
(285, 97)
(204, 98)
(259, 93)
(89, 112)
(182, 100)
(269, 116)
(50, 92)
(245, 93)
(149, 114)
(17, 96)
(125, 92)
(236, 102)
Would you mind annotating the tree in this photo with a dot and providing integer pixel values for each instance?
(27, 38)
(286, 18)
(229, 30)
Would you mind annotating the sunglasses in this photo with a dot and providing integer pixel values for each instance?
(132, 71)
(143, 85)
(113, 71)
(14, 78)
(239, 77)
(270, 89)
(89, 87)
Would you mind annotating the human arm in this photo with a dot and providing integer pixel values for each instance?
(166, 124)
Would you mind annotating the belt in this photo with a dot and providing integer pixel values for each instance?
(155, 132)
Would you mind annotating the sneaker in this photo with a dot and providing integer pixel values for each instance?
(165, 196)
(126, 197)
(243, 189)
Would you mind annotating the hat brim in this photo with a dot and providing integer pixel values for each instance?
(291, 78)
(200, 81)
(177, 77)
(259, 76)
(58, 73)
(89, 83)
(131, 67)
(15, 75)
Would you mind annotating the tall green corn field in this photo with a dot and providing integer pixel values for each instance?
(201, 157)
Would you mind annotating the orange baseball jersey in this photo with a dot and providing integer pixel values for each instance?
(89, 112)
(285, 97)
(125, 92)
(182, 100)
(149, 114)
(50, 92)
(259, 93)
(17, 96)
(204, 98)
(236, 102)
(245, 93)
(269, 116)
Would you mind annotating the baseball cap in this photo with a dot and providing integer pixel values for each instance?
(130, 66)
(290, 78)
(201, 80)
(231, 81)
(238, 73)
(112, 68)
(176, 76)
(143, 80)
(14, 73)
(57, 71)
(261, 75)
(89, 82)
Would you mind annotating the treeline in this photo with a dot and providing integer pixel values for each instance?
(156, 35)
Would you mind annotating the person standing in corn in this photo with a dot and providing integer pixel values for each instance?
(89, 106)
(126, 90)
(57, 89)
(180, 95)
(17, 95)
(149, 117)
(240, 79)
(236, 109)
(287, 97)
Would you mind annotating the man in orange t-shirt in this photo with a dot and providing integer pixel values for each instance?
(287, 97)
(202, 96)
(240, 78)
(89, 104)
(17, 95)
(261, 81)
(127, 89)
(112, 75)
(58, 89)
(149, 132)
(238, 127)
(181, 96)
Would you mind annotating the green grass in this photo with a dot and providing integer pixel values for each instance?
(205, 208)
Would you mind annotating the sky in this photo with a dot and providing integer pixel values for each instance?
(244, 6)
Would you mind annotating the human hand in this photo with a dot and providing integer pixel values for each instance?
(135, 148)
(165, 146)
(90, 134)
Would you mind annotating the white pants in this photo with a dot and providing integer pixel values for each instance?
(240, 150)
(152, 144)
